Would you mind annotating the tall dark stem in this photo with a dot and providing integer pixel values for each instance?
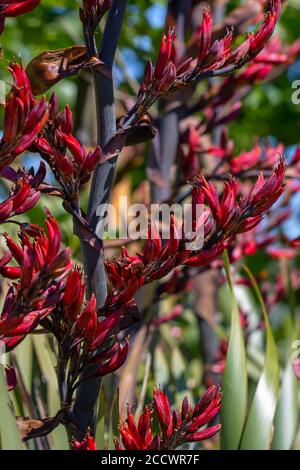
(85, 407)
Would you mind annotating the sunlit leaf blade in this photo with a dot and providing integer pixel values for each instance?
(43, 352)
(9, 434)
(114, 421)
(24, 354)
(287, 414)
(234, 385)
(100, 428)
(258, 429)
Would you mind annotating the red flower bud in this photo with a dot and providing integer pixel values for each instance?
(165, 54)
(11, 8)
(204, 34)
(11, 378)
(163, 410)
(88, 443)
(259, 39)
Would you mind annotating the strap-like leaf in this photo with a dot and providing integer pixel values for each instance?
(258, 430)
(9, 434)
(234, 386)
(287, 414)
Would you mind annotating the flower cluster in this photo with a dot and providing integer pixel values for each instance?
(258, 158)
(176, 428)
(41, 270)
(222, 219)
(71, 163)
(88, 443)
(213, 58)
(25, 193)
(76, 322)
(48, 292)
(11, 8)
(92, 12)
(24, 117)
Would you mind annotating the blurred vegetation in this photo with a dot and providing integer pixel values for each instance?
(267, 111)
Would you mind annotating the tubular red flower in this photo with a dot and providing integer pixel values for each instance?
(24, 117)
(23, 197)
(86, 323)
(265, 192)
(115, 361)
(92, 12)
(11, 8)
(205, 434)
(11, 378)
(163, 411)
(73, 294)
(223, 218)
(177, 428)
(165, 55)
(87, 443)
(70, 161)
(258, 40)
(204, 34)
(138, 437)
(42, 269)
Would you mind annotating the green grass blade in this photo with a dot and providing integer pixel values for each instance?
(9, 433)
(100, 428)
(234, 384)
(24, 355)
(114, 421)
(258, 430)
(287, 413)
(45, 359)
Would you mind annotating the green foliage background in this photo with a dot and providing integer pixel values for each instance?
(267, 111)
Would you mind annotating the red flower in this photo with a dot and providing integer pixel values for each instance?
(24, 195)
(71, 162)
(11, 378)
(176, 427)
(265, 192)
(223, 218)
(87, 322)
(162, 76)
(259, 39)
(73, 295)
(217, 56)
(281, 252)
(24, 117)
(246, 160)
(92, 12)
(41, 269)
(138, 437)
(163, 411)
(83, 162)
(111, 359)
(166, 54)
(11, 8)
(87, 443)
(204, 34)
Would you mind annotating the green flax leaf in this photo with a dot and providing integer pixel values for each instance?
(9, 434)
(234, 385)
(259, 426)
